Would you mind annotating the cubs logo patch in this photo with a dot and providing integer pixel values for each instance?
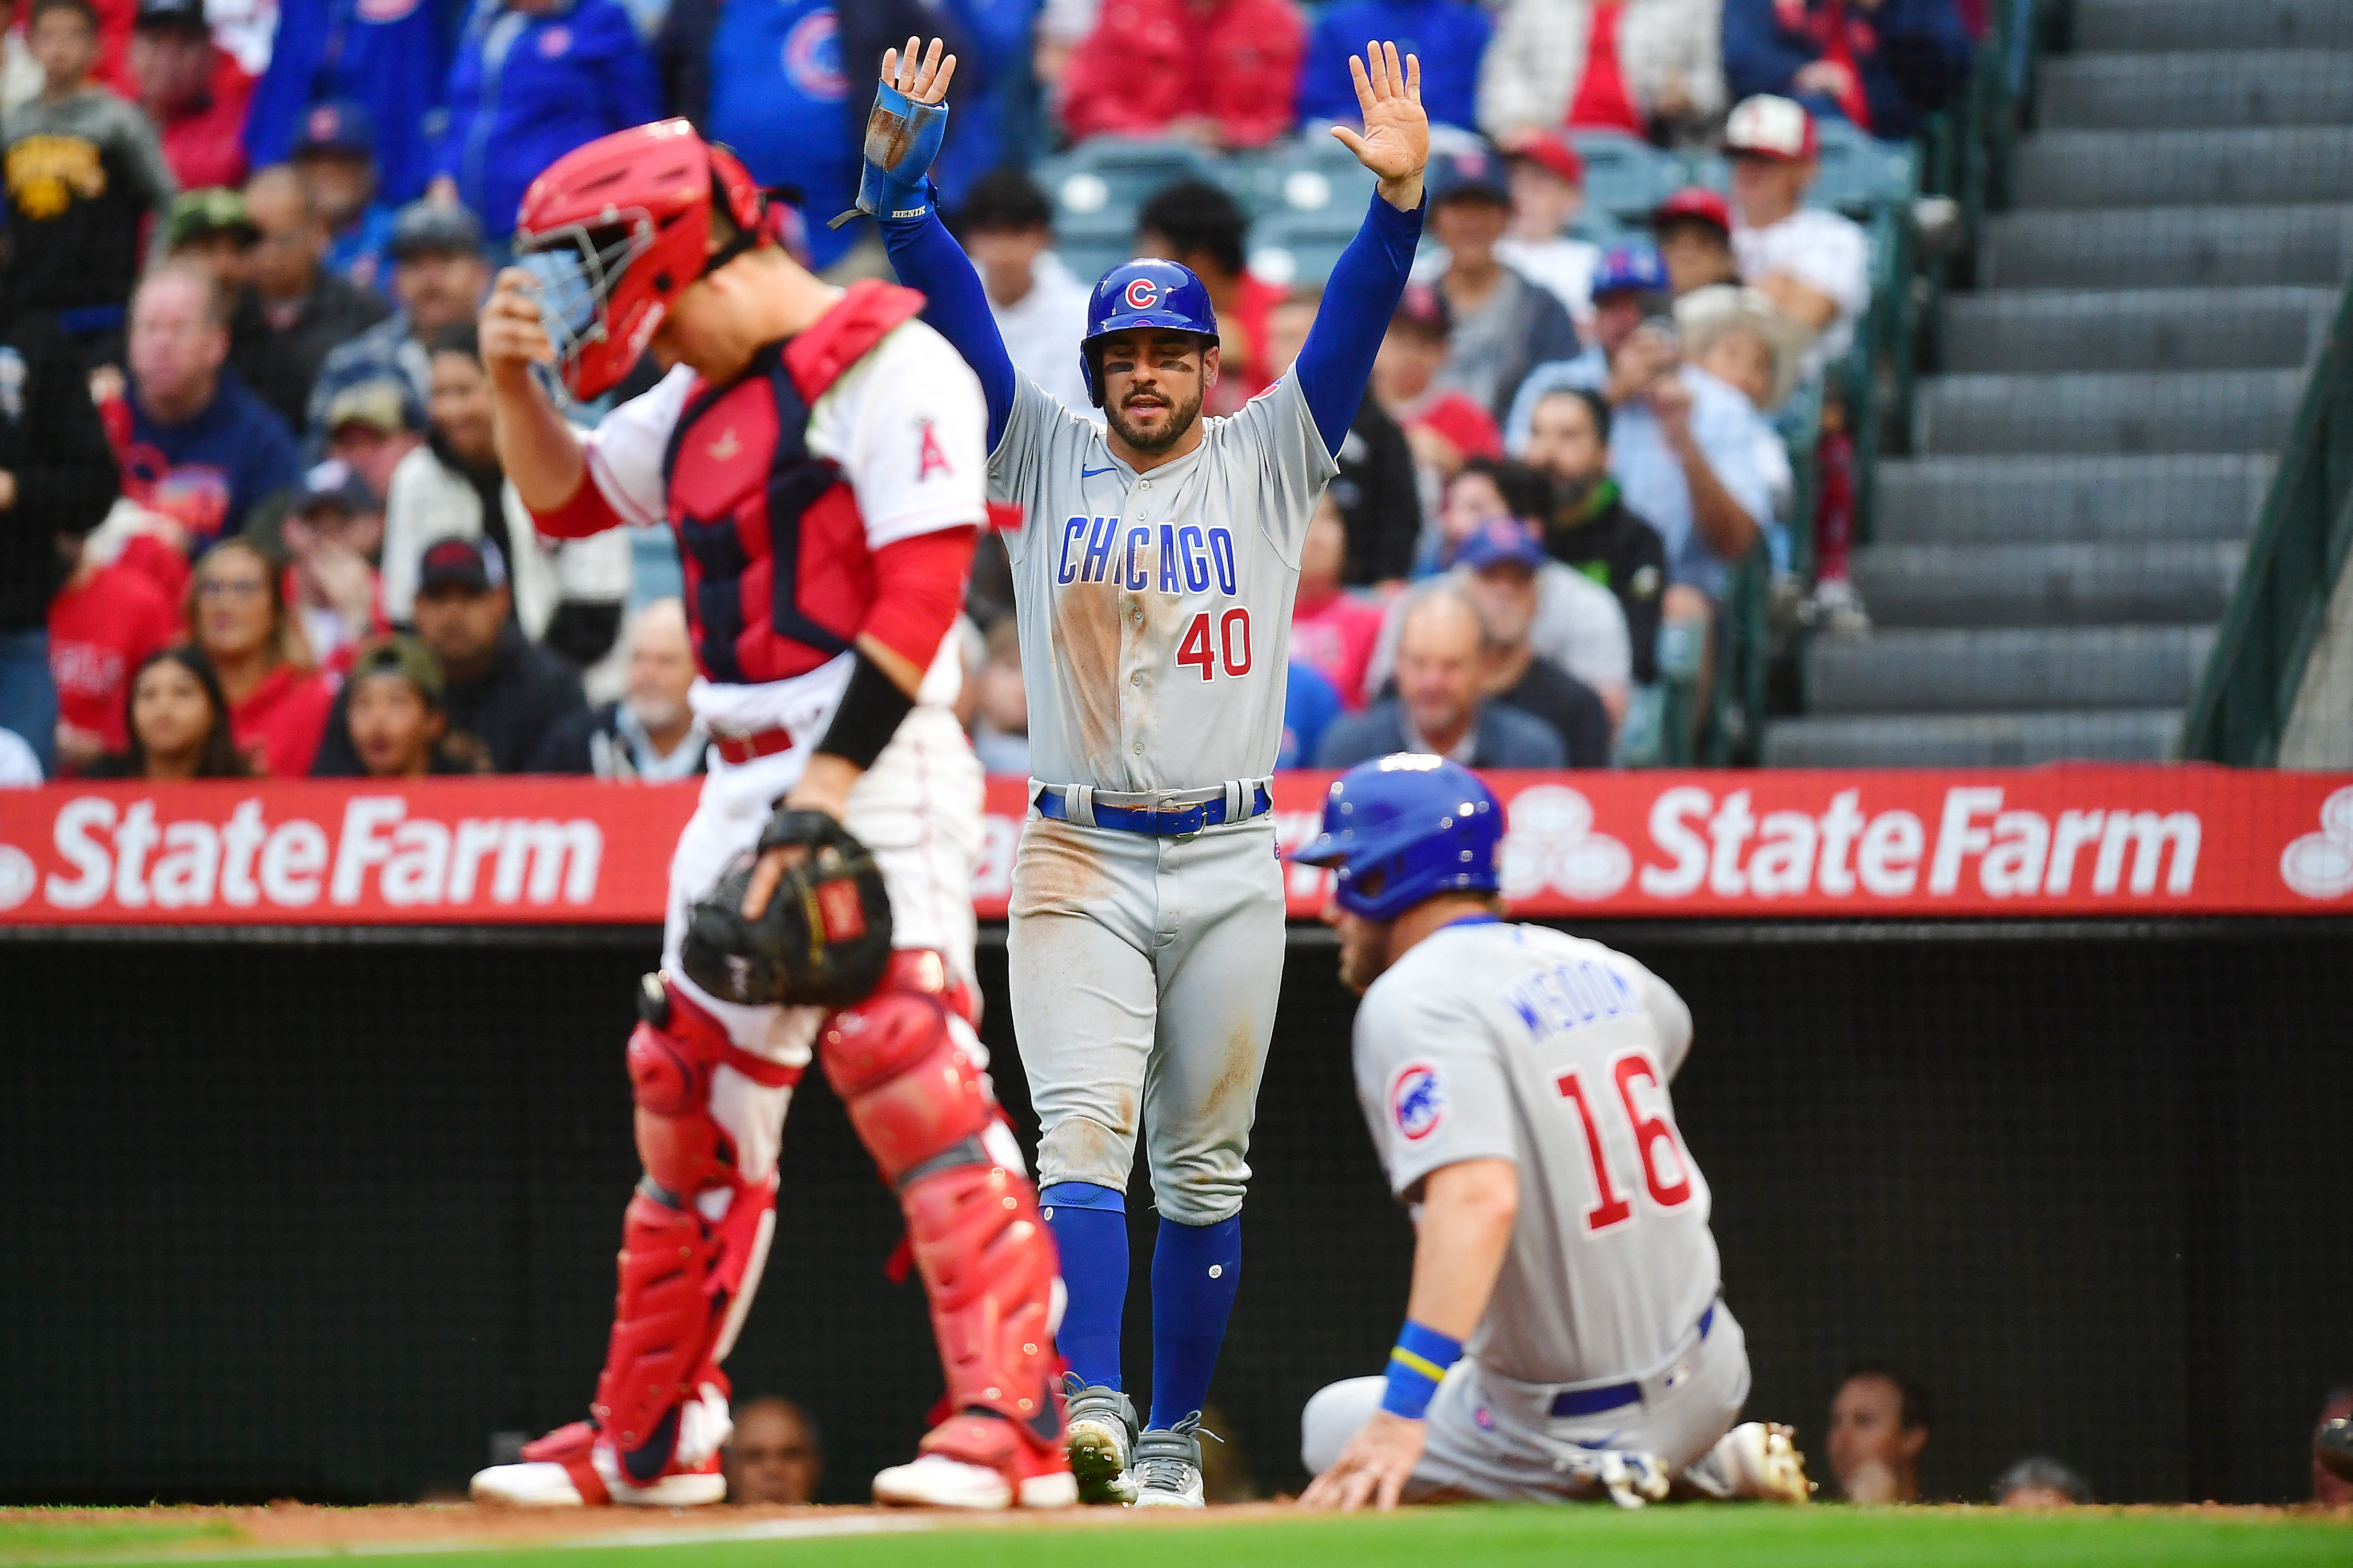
(1416, 1100)
(1143, 293)
(813, 56)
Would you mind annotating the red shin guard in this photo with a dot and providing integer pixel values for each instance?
(919, 1103)
(680, 1270)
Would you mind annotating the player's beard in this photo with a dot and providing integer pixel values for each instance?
(1181, 418)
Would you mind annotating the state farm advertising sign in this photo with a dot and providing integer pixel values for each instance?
(1861, 845)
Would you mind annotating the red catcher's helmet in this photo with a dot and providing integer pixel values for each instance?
(614, 230)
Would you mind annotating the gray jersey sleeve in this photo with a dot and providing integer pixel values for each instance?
(1294, 464)
(1669, 1014)
(1434, 1088)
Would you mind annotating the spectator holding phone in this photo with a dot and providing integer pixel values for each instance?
(1682, 446)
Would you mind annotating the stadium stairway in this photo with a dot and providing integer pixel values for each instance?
(2051, 560)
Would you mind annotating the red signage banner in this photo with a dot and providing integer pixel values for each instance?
(1864, 844)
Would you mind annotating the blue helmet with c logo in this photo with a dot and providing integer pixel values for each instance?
(1402, 828)
(1143, 293)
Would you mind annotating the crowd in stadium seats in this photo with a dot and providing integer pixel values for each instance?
(274, 538)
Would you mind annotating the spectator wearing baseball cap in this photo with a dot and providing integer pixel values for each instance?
(390, 59)
(1682, 445)
(1547, 179)
(373, 427)
(1693, 229)
(1883, 65)
(392, 720)
(1573, 621)
(1649, 68)
(1815, 265)
(532, 81)
(1504, 325)
(334, 531)
(333, 154)
(84, 172)
(1448, 36)
(291, 313)
(1500, 568)
(210, 229)
(438, 277)
(193, 89)
(500, 689)
(1223, 74)
(1441, 425)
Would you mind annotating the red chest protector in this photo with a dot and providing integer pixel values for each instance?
(778, 576)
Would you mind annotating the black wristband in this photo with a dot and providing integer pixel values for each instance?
(869, 716)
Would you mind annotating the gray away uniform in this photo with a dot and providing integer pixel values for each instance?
(1489, 1040)
(1155, 629)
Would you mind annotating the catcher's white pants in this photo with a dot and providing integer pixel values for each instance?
(1144, 977)
(918, 809)
(1491, 1436)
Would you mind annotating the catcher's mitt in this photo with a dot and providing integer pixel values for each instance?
(823, 940)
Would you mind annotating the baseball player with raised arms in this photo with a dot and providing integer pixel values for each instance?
(1565, 1333)
(819, 453)
(1154, 574)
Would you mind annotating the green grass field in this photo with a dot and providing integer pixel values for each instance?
(1506, 1537)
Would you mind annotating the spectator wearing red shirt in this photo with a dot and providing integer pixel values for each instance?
(1219, 72)
(178, 724)
(1198, 223)
(1331, 629)
(106, 622)
(193, 90)
(278, 701)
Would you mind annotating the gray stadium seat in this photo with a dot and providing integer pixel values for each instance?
(1972, 740)
(2167, 583)
(2143, 329)
(2154, 247)
(2007, 500)
(2255, 86)
(2197, 411)
(1624, 174)
(2241, 167)
(2006, 669)
(2155, 25)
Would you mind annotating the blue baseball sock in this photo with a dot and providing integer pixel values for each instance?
(1195, 1269)
(1090, 1229)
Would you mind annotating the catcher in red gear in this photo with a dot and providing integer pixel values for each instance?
(819, 453)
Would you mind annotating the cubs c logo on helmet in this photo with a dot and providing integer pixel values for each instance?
(1143, 293)
(1415, 1101)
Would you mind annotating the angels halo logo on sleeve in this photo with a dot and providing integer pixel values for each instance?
(1416, 1100)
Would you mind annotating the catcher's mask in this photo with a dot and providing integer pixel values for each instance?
(614, 231)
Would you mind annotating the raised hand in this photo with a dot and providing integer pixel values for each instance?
(1395, 143)
(924, 80)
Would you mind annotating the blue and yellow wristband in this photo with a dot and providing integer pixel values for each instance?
(1417, 1365)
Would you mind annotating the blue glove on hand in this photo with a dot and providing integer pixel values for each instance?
(902, 137)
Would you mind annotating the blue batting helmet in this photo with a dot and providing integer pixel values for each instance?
(1143, 293)
(1401, 828)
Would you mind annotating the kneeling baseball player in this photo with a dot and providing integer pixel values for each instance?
(1564, 1334)
(818, 455)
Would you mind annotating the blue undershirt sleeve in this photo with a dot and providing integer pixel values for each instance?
(928, 259)
(1359, 301)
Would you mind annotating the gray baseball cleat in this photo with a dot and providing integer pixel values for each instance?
(2333, 1449)
(1100, 1429)
(1167, 1465)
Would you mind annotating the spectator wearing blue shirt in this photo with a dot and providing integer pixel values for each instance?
(1448, 35)
(532, 80)
(334, 155)
(1884, 65)
(203, 449)
(1683, 445)
(1437, 709)
(1310, 703)
(391, 57)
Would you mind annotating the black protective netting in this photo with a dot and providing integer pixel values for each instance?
(320, 1220)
